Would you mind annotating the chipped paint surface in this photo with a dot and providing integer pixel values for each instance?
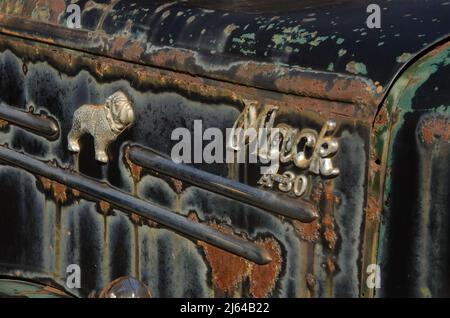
(406, 228)
(341, 75)
(79, 229)
(306, 36)
(356, 68)
(405, 57)
(58, 190)
(434, 129)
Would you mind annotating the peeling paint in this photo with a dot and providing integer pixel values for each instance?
(356, 68)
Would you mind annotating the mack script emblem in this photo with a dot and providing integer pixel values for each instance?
(305, 149)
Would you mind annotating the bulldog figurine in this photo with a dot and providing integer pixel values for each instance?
(104, 122)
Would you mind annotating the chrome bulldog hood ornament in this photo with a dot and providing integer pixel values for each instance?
(104, 122)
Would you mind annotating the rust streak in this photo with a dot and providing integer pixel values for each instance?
(59, 192)
(134, 169)
(104, 206)
(329, 233)
(178, 185)
(187, 85)
(46, 183)
(135, 218)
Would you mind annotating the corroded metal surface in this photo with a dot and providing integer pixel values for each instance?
(118, 199)
(56, 225)
(389, 205)
(318, 49)
(407, 213)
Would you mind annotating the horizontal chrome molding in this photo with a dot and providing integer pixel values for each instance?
(127, 202)
(299, 209)
(36, 123)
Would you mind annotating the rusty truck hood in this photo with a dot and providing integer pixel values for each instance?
(319, 48)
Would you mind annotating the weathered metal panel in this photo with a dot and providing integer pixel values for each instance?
(316, 48)
(56, 225)
(414, 243)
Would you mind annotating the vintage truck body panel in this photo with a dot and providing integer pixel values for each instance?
(315, 48)
(414, 245)
(191, 60)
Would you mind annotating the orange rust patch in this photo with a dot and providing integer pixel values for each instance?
(308, 231)
(3, 123)
(118, 44)
(56, 8)
(379, 87)
(329, 234)
(432, 129)
(133, 52)
(59, 191)
(382, 119)
(373, 209)
(227, 269)
(316, 192)
(342, 88)
(134, 169)
(328, 218)
(135, 218)
(104, 206)
(46, 183)
(263, 277)
(427, 135)
(248, 70)
(165, 57)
